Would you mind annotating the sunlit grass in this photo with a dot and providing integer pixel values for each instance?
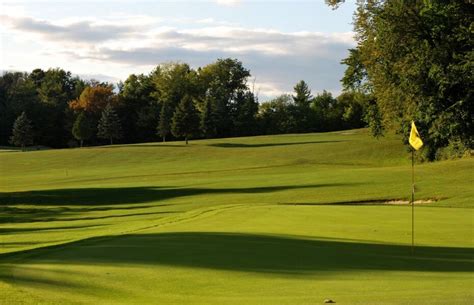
(291, 219)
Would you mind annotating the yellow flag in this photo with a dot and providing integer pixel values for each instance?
(415, 140)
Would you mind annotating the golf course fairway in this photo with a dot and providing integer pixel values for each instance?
(268, 220)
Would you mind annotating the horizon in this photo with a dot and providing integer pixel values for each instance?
(278, 47)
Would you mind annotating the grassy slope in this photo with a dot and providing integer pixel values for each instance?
(233, 221)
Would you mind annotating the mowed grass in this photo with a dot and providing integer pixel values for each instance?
(290, 219)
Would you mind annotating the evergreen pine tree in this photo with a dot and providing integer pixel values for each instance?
(164, 127)
(302, 99)
(208, 121)
(22, 133)
(185, 122)
(109, 125)
(83, 128)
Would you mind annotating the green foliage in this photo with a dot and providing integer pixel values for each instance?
(185, 122)
(417, 59)
(138, 108)
(324, 113)
(173, 81)
(302, 97)
(145, 104)
(164, 124)
(275, 116)
(229, 74)
(353, 106)
(17, 94)
(22, 133)
(56, 87)
(245, 110)
(44, 95)
(301, 110)
(222, 82)
(355, 77)
(83, 128)
(454, 150)
(373, 118)
(208, 122)
(109, 125)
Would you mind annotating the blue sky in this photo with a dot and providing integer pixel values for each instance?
(281, 42)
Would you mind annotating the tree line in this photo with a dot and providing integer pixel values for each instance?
(414, 60)
(174, 101)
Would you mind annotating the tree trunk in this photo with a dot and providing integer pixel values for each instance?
(82, 141)
(164, 139)
(111, 141)
(186, 138)
(23, 147)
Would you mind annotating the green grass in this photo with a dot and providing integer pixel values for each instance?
(291, 219)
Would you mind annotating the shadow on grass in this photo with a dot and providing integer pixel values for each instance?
(129, 195)
(162, 145)
(351, 202)
(255, 253)
(15, 230)
(243, 145)
(13, 214)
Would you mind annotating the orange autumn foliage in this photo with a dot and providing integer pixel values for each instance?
(94, 99)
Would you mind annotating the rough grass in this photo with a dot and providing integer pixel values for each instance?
(290, 219)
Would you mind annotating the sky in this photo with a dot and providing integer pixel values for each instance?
(280, 42)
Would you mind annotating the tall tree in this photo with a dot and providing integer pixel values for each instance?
(138, 108)
(327, 112)
(245, 113)
(22, 133)
(275, 115)
(221, 82)
(164, 124)
(353, 106)
(173, 81)
(94, 99)
(302, 97)
(302, 101)
(55, 87)
(17, 94)
(109, 125)
(208, 121)
(185, 121)
(83, 128)
(416, 57)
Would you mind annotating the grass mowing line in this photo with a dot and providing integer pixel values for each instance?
(115, 178)
(195, 214)
(24, 255)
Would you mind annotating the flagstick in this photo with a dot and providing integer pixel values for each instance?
(413, 201)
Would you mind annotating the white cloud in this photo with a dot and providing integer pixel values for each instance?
(130, 43)
(228, 2)
(12, 10)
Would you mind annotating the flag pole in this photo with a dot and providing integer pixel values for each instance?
(416, 143)
(412, 200)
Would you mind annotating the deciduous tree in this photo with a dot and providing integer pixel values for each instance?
(417, 59)
(83, 128)
(94, 99)
(164, 124)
